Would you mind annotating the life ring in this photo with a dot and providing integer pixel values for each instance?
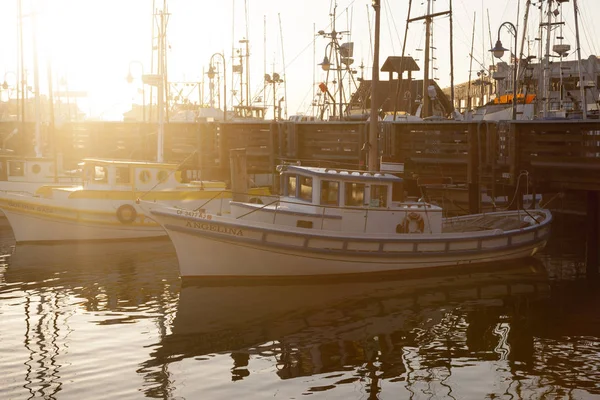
(413, 223)
(126, 214)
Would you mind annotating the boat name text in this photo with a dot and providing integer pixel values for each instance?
(215, 228)
(31, 207)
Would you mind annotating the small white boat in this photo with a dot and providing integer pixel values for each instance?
(331, 221)
(104, 207)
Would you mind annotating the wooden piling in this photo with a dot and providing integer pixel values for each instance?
(593, 230)
(239, 174)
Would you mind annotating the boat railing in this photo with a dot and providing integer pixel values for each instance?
(334, 211)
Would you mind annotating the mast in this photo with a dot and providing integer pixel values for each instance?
(426, 100)
(162, 22)
(581, 83)
(283, 60)
(152, 58)
(428, 20)
(22, 72)
(373, 156)
(400, 83)
(36, 86)
(471, 66)
(451, 59)
(546, 72)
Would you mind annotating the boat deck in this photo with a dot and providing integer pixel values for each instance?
(484, 223)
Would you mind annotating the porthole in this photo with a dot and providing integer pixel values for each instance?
(162, 176)
(36, 169)
(144, 176)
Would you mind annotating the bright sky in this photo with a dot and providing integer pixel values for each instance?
(92, 42)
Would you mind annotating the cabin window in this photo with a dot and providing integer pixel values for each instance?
(36, 169)
(355, 194)
(100, 174)
(16, 168)
(304, 224)
(306, 188)
(123, 177)
(379, 195)
(329, 193)
(291, 186)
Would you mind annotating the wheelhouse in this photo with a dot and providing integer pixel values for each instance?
(339, 187)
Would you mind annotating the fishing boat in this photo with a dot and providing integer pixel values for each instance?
(104, 207)
(331, 221)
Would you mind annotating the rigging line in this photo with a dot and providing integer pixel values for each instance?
(387, 15)
(586, 25)
(394, 22)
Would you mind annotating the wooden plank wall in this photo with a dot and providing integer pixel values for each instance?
(556, 155)
(562, 155)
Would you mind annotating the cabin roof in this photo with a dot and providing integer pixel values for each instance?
(341, 174)
(148, 164)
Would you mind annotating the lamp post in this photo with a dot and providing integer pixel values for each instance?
(274, 81)
(129, 79)
(211, 74)
(498, 52)
(326, 66)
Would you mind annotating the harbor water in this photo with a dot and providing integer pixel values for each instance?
(115, 321)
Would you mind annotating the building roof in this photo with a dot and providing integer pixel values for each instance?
(399, 64)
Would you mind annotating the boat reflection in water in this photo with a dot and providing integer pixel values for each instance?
(411, 329)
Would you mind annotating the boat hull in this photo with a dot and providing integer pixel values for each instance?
(39, 219)
(219, 247)
(29, 227)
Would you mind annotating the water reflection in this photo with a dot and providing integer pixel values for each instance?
(54, 285)
(412, 329)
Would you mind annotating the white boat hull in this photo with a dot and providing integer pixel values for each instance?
(218, 246)
(38, 228)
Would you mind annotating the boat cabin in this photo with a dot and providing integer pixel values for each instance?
(99, 174)
(344, 201)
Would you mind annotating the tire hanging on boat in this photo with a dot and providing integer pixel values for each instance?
(126, 214)
(413, 223)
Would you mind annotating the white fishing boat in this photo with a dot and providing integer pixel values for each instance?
(332, 221)
(104, 207)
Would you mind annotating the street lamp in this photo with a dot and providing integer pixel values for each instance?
(4, 85)
(129, 79)
(498, 52)
(211, 74)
